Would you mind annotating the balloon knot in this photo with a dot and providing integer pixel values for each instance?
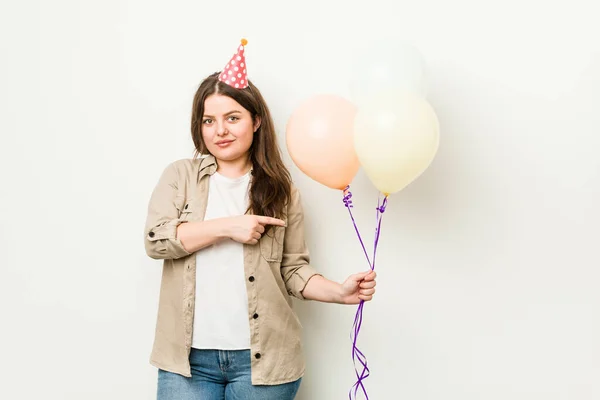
(347, 197)
(381, 208)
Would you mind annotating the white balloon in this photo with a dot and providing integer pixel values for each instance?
(384, 65)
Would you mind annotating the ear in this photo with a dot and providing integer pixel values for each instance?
(257, 122)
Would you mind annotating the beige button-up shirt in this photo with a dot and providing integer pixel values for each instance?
(276, 268)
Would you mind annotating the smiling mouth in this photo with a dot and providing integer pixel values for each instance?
(223, 142)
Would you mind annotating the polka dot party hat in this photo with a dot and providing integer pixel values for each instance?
(234, 74)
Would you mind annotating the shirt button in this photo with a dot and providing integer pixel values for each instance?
(151, 234)
(186, 206)
(251, 279)
(255, 316)
(257, 355)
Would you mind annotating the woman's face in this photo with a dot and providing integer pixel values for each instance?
(227, 128)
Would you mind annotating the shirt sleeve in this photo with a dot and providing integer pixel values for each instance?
(295, 264)
(160, 233)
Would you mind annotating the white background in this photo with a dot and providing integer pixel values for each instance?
(488, 271)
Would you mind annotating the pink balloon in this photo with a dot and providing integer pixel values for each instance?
(320, 140)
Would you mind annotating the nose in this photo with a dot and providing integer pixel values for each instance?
(221, 129)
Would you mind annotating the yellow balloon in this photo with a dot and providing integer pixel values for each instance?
(396, 137)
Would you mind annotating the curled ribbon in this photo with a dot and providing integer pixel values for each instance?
(362, 370)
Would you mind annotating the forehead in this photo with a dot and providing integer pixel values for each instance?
(218, 104)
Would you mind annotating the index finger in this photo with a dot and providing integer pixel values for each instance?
(270, 221)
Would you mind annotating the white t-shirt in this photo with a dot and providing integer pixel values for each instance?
(221, 313)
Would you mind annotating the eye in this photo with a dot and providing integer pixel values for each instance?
(207, 121)
(233, 118)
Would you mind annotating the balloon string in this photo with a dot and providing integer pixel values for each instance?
(348, 203)
(357, 355)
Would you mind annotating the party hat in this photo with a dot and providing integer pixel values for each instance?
(234, 74)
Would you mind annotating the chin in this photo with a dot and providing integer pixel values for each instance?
(227, 155)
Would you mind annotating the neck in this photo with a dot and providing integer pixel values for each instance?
(234, 168)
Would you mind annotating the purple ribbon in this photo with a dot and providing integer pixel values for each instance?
(357, 355)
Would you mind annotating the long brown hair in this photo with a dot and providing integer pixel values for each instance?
(270, 190)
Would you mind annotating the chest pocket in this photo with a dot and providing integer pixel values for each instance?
(188, 209)
(271, 244)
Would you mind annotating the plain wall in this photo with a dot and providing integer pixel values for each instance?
(488, 266)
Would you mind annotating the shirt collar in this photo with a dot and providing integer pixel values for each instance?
(207, 166)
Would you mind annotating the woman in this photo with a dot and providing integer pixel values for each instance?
(229, 226)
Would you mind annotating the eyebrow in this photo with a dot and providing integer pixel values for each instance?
(226, 114)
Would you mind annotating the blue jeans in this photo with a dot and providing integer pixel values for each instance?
(220, 375)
